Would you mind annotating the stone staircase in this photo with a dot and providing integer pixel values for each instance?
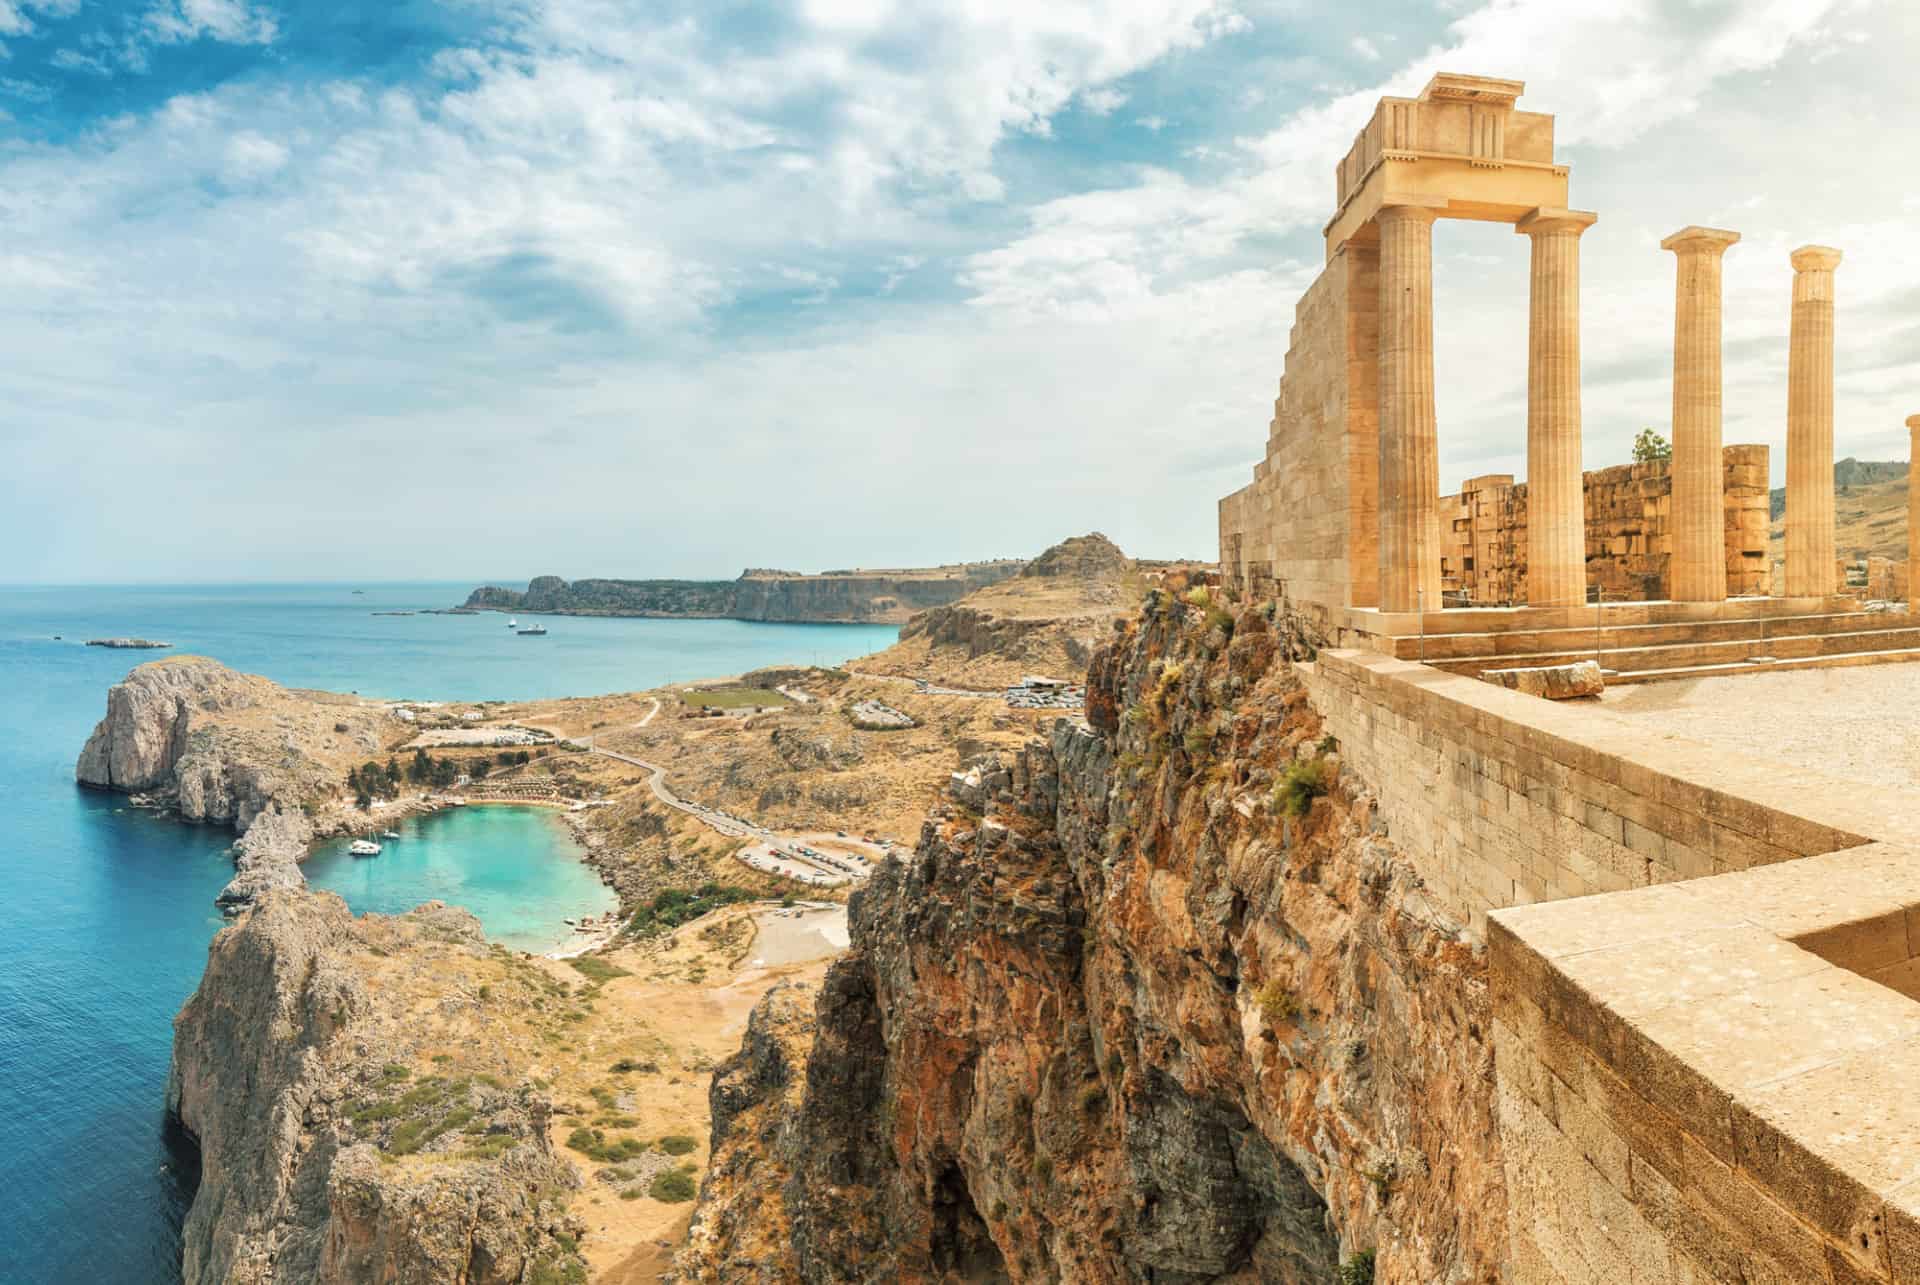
(1639, 647)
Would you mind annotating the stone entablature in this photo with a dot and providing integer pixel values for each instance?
(1628, 538)
(1460, 144)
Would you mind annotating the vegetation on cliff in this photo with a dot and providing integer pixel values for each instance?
(1170, 1008)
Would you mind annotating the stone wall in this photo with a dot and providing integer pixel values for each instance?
(1710, 1068)
(1307, 524)
(1702, 1068)
(1502, 799)
(1484, 532)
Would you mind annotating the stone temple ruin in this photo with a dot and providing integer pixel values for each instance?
(1704, 963)
(1344, 520)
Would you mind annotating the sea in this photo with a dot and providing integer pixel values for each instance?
(106, 911)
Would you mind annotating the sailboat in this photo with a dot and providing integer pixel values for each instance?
(512, 623)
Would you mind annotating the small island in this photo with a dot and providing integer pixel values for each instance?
(128, 644)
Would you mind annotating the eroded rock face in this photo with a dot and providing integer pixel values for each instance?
(1143, 1022)
(149, 717)
(270, 1055)
(233, 749)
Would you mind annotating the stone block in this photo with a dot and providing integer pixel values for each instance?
(1554, 682)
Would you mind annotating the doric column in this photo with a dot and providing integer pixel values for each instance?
(1409, 447)
(1556, 503)
(1697, 571)
(1810, 425)
(1913, 515)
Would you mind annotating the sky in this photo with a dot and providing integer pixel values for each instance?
(485, 289)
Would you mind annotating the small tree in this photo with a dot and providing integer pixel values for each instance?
(1650, 446)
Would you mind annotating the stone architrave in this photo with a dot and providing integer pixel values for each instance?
(1810, 558)
(1913, 515)
(1556, 518)
(1409, 464)
(1698, 567)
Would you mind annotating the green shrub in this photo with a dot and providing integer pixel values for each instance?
(593, 1144)
(597, 970)
(1197, 741)
(676, 906)
(1304, 781)
(1357, 1270)
(1042, 1169)
(673, 1186)
(1092, 1098)
(677, 1144)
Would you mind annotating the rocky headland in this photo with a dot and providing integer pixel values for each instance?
(1154, 1001)
(1046, 620)
(883, 596)
(346, 1137)
(214, 745)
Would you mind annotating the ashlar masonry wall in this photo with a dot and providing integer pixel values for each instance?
(1702, 971)
(1503, 799)
(1484, 532)
(1307, 523)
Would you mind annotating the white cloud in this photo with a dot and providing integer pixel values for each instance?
(539, 244)
(1103, 102)
(1152, 124)
(233, 22)
(1365, 48)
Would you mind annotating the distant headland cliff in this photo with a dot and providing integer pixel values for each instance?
(867, 596)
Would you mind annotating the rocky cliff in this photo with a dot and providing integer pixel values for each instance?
(220, 746)
(325, 1155)
(1169, 1009)
(879, 597)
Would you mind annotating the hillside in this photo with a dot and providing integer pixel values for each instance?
(866, 596)
(1046, 620)
(1869, 512)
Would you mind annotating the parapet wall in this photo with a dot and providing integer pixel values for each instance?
(1504, 799)
(1703, 974)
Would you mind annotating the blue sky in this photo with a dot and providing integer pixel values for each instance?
(506, 287)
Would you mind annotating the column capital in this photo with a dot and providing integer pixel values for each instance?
(1815, 258)
(1913, 422)
(1695, 239)
(1423, 210)
(1549, 219)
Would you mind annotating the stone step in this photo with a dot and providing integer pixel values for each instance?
(1584, 637)
(1899, 656)
(1674, 655)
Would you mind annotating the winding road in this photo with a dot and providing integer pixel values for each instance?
(768, 850)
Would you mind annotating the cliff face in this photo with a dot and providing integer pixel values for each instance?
(1156, 1015)
(230, 748)
(879, 597)
(289, 1068)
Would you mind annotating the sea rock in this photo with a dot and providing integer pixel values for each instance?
(285, 1035)
(149, 716)
(1554, 682)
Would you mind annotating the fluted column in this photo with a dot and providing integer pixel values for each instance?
(1409, 446)
(1697, 570)
(1556, 503)
(1810, 572)
(1913, 515)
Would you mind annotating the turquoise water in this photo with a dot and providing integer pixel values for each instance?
(105, 913)
(516, 868)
